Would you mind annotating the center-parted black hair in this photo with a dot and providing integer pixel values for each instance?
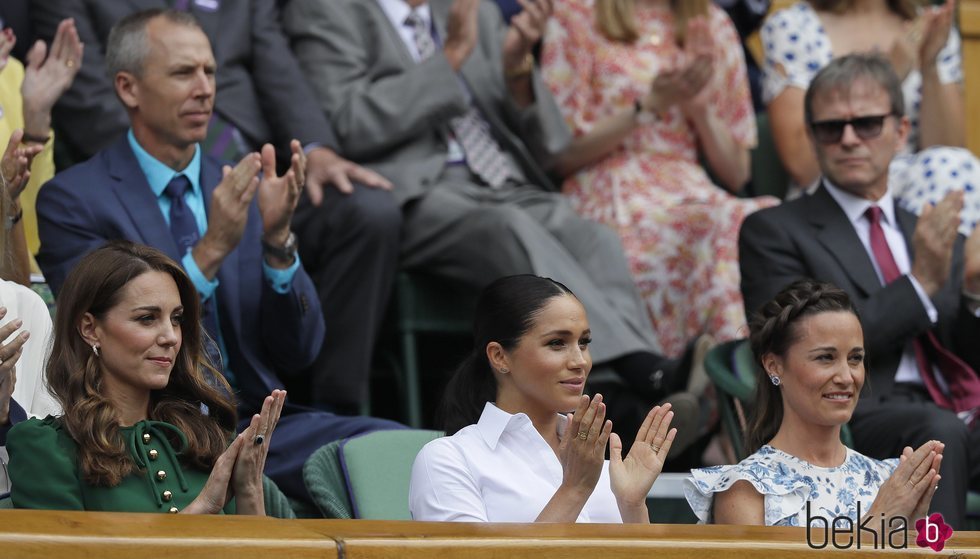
(505, 311)
(773, 329)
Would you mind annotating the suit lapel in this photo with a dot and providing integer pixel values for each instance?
(130, 186)
(228, 273)
(836, 233)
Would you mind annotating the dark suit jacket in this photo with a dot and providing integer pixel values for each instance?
(812, 238)
(260, 87)
(392, 114)
(108, 197)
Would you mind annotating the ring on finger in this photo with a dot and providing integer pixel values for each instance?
(259, 439)
(655, 448)
(583, 435)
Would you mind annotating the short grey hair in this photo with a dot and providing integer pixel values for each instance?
(843, 72)
(127, 47)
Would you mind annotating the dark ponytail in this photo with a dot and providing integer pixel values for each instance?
(773, 330)
(505, 311)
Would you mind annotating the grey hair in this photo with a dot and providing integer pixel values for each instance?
(843, 72)
(127, 47)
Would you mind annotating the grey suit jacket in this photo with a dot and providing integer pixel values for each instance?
(260, 87)
(392, 114)
(812, 238)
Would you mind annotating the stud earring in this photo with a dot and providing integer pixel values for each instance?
(95, 349)
(775, 380)
(504, 371)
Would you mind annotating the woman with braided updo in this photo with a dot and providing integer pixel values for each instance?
(809, 344)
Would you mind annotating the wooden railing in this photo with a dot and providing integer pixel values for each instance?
(64, 535)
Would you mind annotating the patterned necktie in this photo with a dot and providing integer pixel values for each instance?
(483, 154)
(183, 228)
(964, 387)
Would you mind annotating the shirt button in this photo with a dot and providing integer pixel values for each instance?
(161, 475)
(154, 454)
(167, 495)
(146, 438)
(173, 510)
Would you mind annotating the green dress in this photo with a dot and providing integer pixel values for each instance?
(45, 474)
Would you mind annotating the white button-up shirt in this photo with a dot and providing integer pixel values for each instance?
(498, 470)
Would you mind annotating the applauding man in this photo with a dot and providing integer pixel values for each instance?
(228, 227)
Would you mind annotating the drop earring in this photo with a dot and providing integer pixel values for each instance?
(95, 349)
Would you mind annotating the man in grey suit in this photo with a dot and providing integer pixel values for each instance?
(915, 281)
(348, 231)
(444, 98)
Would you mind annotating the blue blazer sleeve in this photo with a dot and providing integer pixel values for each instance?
(292, 323)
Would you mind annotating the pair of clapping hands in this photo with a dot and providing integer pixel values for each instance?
(909, 490)
(582, 453)
(683, 78)
(238, 471)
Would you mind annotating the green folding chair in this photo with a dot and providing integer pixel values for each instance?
(378, 468)
(324, 480)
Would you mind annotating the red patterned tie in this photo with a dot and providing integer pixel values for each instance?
(964, 387)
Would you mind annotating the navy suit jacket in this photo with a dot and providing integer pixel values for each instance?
(108, 197)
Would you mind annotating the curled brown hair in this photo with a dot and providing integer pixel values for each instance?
(75, 375)
(773, 329)
(616, 19)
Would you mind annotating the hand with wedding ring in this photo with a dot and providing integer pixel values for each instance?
(583, 446)
(632, 477)
(246, 478)
(48, 75)
(10, 353)
(909, 490)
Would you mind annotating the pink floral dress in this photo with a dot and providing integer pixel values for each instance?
(679, 230)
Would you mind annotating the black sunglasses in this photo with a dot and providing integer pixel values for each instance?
(831, 131)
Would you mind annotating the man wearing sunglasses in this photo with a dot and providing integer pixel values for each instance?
(916, 282)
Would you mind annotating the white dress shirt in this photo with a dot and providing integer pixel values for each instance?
(498, 470)
(855, 208)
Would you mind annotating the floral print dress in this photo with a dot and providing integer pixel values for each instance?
(787, 483)
(679, 230)
(796, 47)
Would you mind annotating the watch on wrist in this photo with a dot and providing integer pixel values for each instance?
(525, 68)
(285, 252)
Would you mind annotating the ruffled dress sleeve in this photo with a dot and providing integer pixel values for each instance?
(785, 493)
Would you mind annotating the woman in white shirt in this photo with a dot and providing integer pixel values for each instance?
(515, 454)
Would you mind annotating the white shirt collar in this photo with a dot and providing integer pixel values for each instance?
(494, 422)
(855, 207)
(399, 10)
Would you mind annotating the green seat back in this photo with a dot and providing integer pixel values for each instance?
(378, 467)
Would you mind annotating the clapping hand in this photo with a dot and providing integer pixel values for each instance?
(15, 165)
(908, 491)
(278, 195)
(631, 478)
(10, 353)
(48, 75)
(683, 80)
(246, 480)
(932, 241)
(583, 446)
(526, 29)
(936, 25)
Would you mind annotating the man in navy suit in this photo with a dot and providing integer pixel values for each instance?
(228, 227)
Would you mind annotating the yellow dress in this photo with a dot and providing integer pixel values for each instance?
(42, 170)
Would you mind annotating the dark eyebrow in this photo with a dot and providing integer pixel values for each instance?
(825, 348)
(147, 308)
(563, 333)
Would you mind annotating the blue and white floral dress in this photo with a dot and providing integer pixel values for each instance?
(796, 48)
(787, 483)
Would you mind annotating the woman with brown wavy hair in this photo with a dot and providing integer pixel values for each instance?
(147, 419)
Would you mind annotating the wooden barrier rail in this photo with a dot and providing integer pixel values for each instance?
(58, 534)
